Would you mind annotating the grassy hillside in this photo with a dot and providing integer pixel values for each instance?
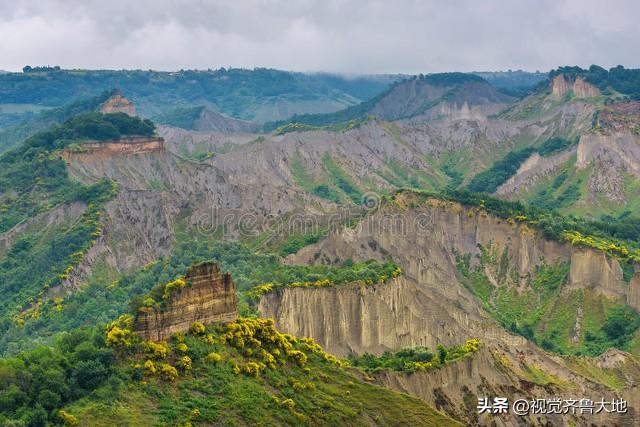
(242, 373)
(41, 252)
(543, 311)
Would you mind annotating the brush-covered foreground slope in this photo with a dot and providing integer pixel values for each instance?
(235, 374)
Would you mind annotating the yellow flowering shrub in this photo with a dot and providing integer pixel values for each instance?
(186, 363)
(150, 367)
(119, 333)
(179, 283)
(288, 403)
(68, 419)
(197, 328)
(253, 368)
(168, 372)
(156, 350)
(213, 357)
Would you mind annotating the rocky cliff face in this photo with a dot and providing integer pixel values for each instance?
(373, 319)
(428, 306)
(117, 103)
(90, 152)
(455, 388)
(582, 89)
(208, 297)
(560, 86)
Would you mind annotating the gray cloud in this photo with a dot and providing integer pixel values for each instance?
(358, 36)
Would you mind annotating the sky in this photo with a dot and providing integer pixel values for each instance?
(357, 36)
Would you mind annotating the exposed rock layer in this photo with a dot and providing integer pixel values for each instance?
(428, 306)
(91, 151)
(209, 297)
(118, 104)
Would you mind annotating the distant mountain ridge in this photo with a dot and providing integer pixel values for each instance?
(204, 119)
(434, 95)
(259, 94)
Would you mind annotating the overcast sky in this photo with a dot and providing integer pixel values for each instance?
(357, 36)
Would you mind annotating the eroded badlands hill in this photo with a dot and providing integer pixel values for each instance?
(468, 274)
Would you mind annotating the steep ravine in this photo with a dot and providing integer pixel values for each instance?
(428, 305)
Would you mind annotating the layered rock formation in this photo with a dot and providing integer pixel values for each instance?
(92, 151)
(117, 103)
(209, 297)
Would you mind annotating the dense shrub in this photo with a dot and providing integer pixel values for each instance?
(415, 358)
(37, 383)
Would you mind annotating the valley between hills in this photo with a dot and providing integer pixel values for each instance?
(387, 255)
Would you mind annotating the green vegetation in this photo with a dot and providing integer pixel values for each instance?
(336, 127)
(235, 92)
(182, 117)
(620, 79)
(455, 177)
(317, 188)
(296, 242)
(238, 373)
(32, 124)
(490, 179)
(319, 276)
(620, 239)
(414, 359)
(341, 180)
(401, 175)
(543, 311)
(554, 197)
(554, 145)
(37, 384)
